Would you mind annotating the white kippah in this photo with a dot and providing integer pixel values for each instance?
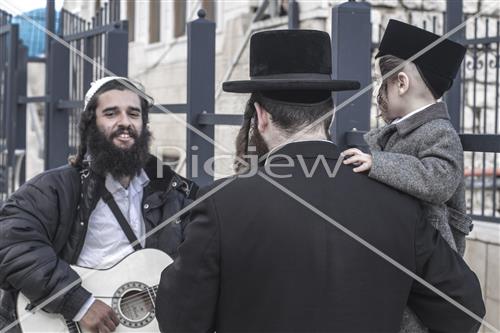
(96, 85)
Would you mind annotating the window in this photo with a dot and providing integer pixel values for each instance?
(154, 21)
(179, 18)
(131, 20)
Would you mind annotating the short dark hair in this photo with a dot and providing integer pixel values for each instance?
(88, 117)
(388, 63)
(288, 116)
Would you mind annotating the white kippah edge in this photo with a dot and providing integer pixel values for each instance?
(96, 85)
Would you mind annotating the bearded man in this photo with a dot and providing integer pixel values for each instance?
(65, 216)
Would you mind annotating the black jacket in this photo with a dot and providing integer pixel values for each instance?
(43, 227)
(255, 259)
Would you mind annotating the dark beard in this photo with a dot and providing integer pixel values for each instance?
(108, 158)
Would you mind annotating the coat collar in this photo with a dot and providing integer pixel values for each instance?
(306, 149)
(435, 111)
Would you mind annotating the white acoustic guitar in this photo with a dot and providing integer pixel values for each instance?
(129, 288)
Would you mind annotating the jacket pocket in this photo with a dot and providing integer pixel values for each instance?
(459, 221)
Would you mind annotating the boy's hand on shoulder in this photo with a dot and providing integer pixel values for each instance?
(362, 161)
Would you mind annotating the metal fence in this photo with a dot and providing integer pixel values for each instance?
(479, 114)
(94, 47)
(13, 58)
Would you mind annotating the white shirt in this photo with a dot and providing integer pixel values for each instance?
(105, 242)
(398, 120)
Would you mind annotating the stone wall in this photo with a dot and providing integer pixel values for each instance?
(483, 256)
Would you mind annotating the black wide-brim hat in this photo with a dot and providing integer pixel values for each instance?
(290, 60)
(438, 65)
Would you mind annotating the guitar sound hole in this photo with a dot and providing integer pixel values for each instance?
(133, 302)
(135, 305)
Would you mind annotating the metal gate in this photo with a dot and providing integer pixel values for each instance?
(90, 50)
(13, 60)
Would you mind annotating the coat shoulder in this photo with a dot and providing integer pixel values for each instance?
(63, 175)
(436, 128)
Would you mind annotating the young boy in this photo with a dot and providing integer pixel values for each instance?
(419, 151)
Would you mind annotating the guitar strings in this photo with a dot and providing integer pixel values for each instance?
(144, 299)
(140, 296)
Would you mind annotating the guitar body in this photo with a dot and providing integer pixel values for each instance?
(129, 288)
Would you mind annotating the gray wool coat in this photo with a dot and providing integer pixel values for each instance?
(423, 156)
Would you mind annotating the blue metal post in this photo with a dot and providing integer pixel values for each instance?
(351, 60)
(117, 49)
(57, 120)
(454, 16)
(200, 95)
(293, 15)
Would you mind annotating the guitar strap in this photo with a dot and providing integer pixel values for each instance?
(110, 201)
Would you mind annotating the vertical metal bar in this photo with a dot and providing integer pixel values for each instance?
(200, 95)
(485, 116)
(20, 130)
(105, 14)
(379, 38)
(11, 103)
(351, 46)
(293, 15)
(116, 53)
(463, 86)
(50, 17)
(112, 11)
(454, 16)
(117, 10)
(50, 26)
(87, 67)
(62, 22)
(474, 99)
(3, 106)
(56, 144)
(497, 83)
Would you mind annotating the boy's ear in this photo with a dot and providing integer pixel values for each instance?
(403, 83)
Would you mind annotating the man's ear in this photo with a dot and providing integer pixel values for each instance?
(262, 117)
(403, 83)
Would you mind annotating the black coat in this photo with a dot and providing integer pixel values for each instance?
(46, 220)
(256, 260)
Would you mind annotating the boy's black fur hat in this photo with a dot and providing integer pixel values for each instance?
(438, 66)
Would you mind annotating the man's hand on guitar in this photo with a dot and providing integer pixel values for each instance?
(100, 318)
